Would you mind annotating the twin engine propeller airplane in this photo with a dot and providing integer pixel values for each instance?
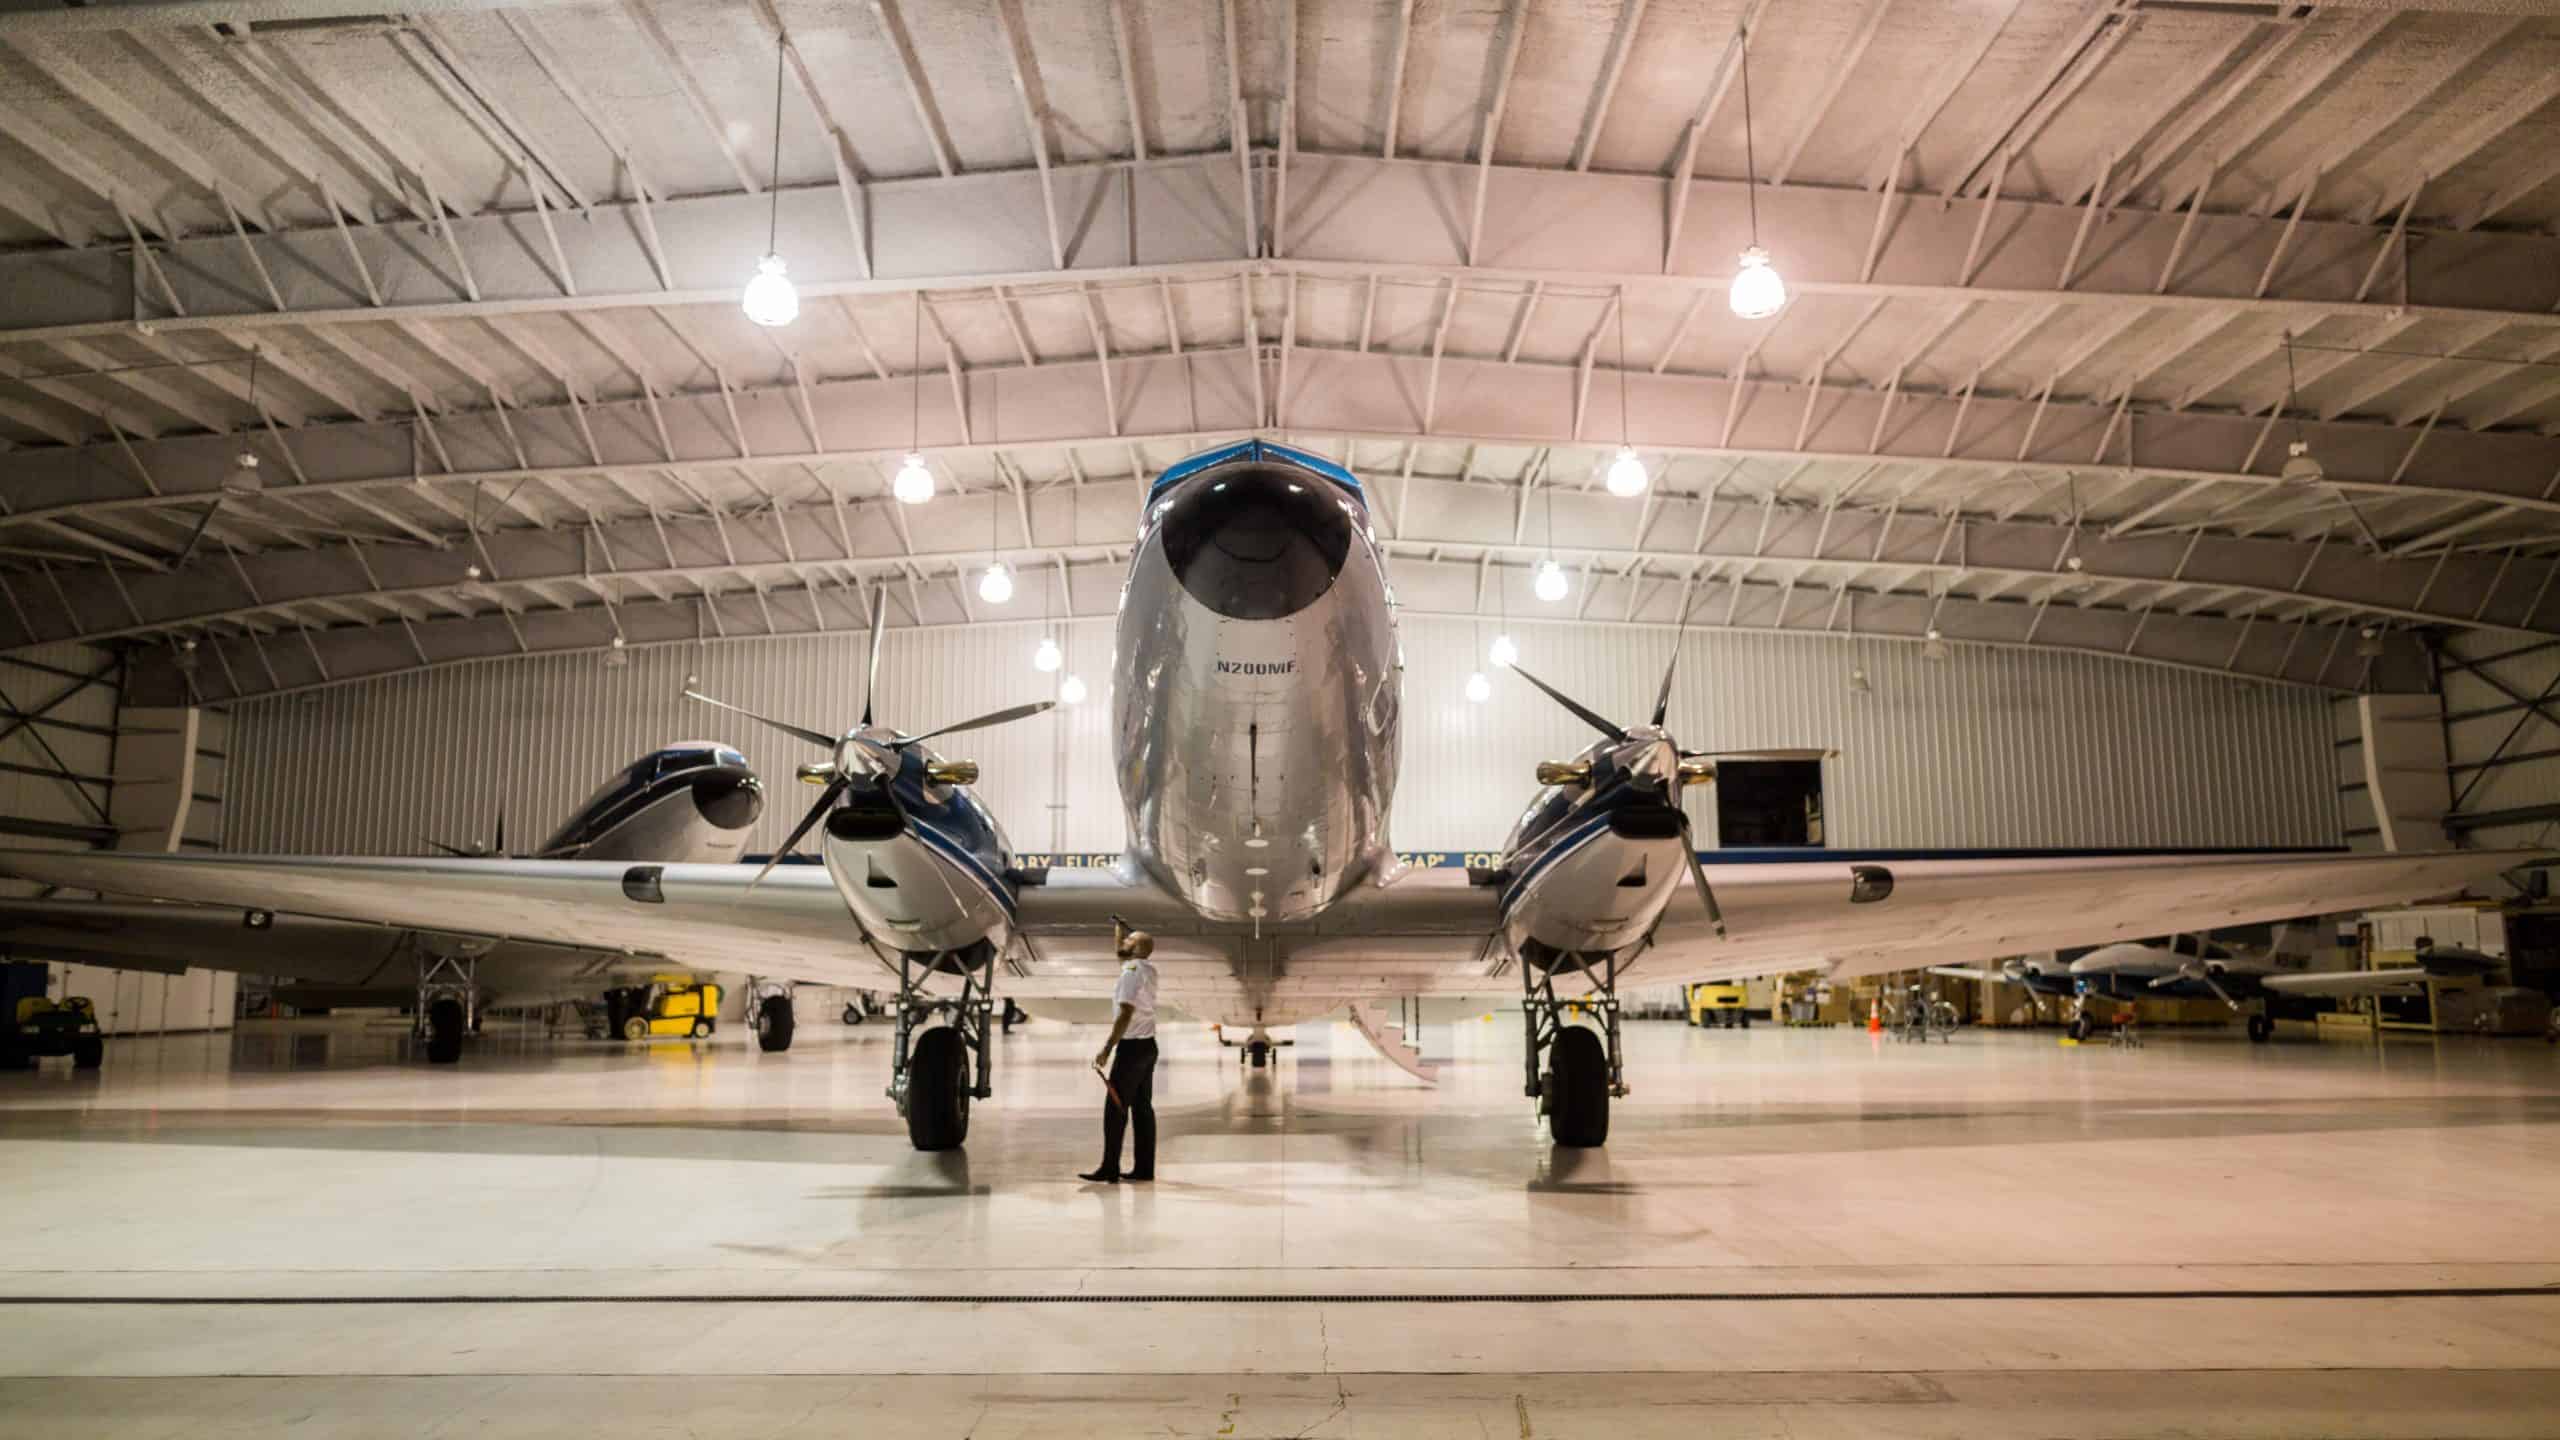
(693, 801)
(2194, 966)
(1257, 704)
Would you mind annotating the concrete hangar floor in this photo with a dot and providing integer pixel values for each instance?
(299, 1229)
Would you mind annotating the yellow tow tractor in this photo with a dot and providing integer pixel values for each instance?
(1712, 1005)
(54, 1027)
(669, 1006)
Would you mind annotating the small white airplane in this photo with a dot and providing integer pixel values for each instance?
(1258, 693)
(2194, 966)
(693, 801)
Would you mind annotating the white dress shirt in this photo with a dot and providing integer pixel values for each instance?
(1137, 989)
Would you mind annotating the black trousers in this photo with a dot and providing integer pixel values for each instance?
(1133, 1078)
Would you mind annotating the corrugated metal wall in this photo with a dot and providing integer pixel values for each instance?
(81, 735)
(78, 730)
(1988, 748)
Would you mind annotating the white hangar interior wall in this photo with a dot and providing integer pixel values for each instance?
(87, 770)
(1990, 747)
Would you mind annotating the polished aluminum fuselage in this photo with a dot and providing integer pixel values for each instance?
(1256, 757)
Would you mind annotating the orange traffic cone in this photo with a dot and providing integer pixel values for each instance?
(1875, 1017)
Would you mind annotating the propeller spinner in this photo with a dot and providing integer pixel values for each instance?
(867, 752)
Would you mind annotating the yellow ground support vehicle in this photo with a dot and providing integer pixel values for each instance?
(54, 1027)
(669, 1005)
(1718, 1005)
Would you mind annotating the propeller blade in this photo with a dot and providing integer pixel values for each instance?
(1807, 754)
(992, 717)
(1584, 713)
(871, 667)
(2218, 992)
(1698, 873)
(814, 737)
(1662, 702)
(826, 802)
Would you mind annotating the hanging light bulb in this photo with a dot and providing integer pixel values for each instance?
(1504, 653)
(1046, 659)
(914, 484)
(1757, 292)
(996, 585)
(1071, 691)
(243, 478)
(1627, 477)
(2299, 466)
(617, 658)
(1935, 647)
(771, 298)
(1858, 682)
(1479, 689)
(1551, 584)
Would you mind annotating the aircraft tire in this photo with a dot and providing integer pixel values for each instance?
(1578, 1089)
(444, 1032)
(774, 1024)
(2261, 1029)
(938, 1090)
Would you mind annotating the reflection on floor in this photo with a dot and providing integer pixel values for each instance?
(1791, 1232)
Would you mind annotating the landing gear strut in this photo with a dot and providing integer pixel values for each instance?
(931, 1081)
(1585, 1068)
(769, 1009)
(448, 1003)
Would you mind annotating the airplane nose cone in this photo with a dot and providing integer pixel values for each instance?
(1256, 542)
(729, 799)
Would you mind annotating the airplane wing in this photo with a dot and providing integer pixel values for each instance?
(1424, 933)
(1974, 973)
(793, 924)
(1958, 911)
(2338, 983)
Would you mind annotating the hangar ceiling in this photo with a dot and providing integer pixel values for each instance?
(2066, 283)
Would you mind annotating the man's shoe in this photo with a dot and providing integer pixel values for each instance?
(1100, 1177)
(1139, 1177)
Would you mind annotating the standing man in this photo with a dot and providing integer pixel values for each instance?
(1130, 1077)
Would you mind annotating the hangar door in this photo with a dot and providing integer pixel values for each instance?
(1769, 802)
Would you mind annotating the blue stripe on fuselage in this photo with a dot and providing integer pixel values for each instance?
(977, 868)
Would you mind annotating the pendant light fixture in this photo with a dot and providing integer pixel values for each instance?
(1757, 291)
(914, 483)
(1071, 691)
(1046, 658)
(770, 299)
(1626, 478)
(244, 478)
(2299, 466)
(996, 585)
(1479, 689)
(1551, 585)
(1504, 653)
